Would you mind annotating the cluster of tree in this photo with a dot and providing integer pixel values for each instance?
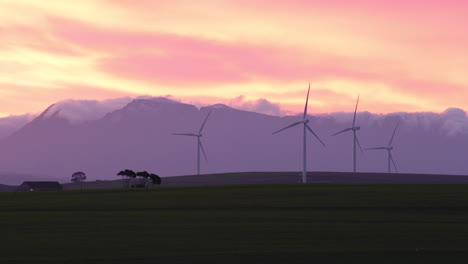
(155, 179)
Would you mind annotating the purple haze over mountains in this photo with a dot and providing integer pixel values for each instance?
(139, 136)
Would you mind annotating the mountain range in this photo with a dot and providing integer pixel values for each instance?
(137, 134)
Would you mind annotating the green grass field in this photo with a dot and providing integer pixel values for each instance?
(233, 224)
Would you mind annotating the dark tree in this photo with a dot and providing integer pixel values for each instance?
(122, 173)
(130, 173)
(155, 178)
(143, 174)
(79, 177)
(126, 173)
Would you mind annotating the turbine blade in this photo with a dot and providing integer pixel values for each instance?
(307, 102)
(203, 150)
(393, 162)
(375, 148)
(355, 111)
(359, 143)
(346, 130)
(184, 134)
(393, 136)
(313, 133)
(292, 125)
(203, 125)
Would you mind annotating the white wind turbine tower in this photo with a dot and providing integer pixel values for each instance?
(199, 144)
(353, 128)
(305, 122)
(389, 149)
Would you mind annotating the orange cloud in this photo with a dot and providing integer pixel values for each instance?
(400, 55)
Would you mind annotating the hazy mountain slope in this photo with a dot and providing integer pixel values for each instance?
(11, 124)
(139, 136)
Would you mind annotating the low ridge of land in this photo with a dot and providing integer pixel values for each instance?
(287, 178)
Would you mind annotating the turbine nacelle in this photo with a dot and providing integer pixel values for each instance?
(306, 121)
(356, 128)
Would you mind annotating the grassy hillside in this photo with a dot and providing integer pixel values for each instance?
(229, 224)
(286, 178)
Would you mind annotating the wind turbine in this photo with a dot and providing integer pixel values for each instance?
(305, 122)
(353, 128)
(199, 144)
(389, 149)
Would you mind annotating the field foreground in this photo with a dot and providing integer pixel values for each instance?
(231, 224)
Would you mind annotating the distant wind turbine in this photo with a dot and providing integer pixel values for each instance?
(389, 149)
(353, 128)
(305, 122)
(199, 144)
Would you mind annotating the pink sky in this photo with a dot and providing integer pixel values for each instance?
(398, 55)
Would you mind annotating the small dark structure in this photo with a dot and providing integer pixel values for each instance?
(40, 186)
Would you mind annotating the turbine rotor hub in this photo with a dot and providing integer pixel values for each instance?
(306, 121)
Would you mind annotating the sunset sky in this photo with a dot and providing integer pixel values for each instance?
(398, 55)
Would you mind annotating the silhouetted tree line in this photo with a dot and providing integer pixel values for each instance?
(130, 174)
